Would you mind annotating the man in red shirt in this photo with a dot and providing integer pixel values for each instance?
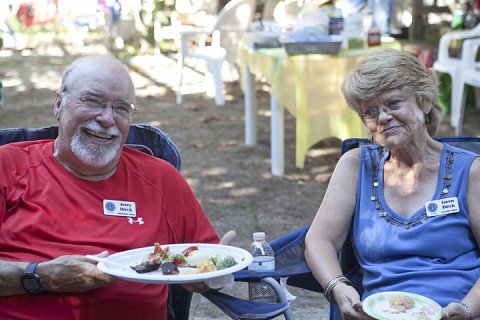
(54, 206)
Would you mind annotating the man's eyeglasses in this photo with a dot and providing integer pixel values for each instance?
(93, 103)
(371, 114)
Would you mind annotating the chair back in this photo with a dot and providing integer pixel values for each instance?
(232, 23)
(143, 137)
(468, 75)
(347, 257)
(444, 46)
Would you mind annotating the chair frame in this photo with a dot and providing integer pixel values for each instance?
(214, 54)
(453, 67)
(290, 263)
(468, 75)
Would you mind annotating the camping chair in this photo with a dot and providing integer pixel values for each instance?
(289, 263)
(142, 137)
(231, 23)
(348, 260)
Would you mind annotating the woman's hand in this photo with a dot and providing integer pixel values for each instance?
(454, 311)
(349, 302)
(72, 273)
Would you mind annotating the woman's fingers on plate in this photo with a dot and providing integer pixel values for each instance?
(453, 311)
(357, 306)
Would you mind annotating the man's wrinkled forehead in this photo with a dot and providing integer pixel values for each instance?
(99, 72)
(98, 66)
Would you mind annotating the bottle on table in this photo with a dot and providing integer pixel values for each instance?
(374, 37)
(263, 261)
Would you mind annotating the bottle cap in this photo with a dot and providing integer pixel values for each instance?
(259, 236)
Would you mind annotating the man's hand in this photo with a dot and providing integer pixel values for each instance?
(228, 237)
(72, 273)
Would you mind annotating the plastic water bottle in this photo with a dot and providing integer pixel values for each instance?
(263, 261)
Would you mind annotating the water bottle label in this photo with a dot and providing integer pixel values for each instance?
(262, 263)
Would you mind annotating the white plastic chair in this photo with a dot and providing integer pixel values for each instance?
(452, 65)
(232, 22)
(283, 12)
(469, 75)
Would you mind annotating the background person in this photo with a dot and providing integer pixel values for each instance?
(385, 192)
(381, 11)
(51, 206)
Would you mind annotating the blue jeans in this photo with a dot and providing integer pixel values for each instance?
(381, 10)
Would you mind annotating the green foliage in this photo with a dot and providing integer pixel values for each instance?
(446, 94)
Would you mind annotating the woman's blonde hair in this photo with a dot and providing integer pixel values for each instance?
(387, 69)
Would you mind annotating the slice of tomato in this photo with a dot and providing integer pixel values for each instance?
(189, 250)
(179, 260)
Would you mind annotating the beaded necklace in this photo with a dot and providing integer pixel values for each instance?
(422, 218)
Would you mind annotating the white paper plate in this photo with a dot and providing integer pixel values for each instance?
(135, 256)
(377, 306)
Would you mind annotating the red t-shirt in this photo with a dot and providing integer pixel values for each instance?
(45, 212)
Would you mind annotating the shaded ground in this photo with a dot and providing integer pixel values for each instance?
(232, 181)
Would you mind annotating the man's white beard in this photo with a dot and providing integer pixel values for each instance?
(93, 154)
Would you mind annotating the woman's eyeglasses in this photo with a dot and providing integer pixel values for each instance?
(371, 114)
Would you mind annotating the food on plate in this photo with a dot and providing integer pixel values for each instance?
(421, 316)
(154, 260)
(206, 265)
(191, 259)
(170, 268)
(401, 303)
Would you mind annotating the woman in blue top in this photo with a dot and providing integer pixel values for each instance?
(411, 202)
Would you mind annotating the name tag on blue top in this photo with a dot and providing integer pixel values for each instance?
(442, 206)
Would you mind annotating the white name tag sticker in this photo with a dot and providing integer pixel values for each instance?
(119, 208)
(442, 206)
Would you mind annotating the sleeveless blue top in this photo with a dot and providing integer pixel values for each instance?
(437, 257)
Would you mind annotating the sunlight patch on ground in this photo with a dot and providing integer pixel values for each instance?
(244, 192)
(17, 83)
(155, 123)
(222, 201)
(227, 184)
(153, 91)
(193, 182)
(5, 53)
(214, 171)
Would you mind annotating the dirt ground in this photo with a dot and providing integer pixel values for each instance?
(233, 182)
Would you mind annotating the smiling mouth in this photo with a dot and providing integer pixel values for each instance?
(388, 129)
(99, 136)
